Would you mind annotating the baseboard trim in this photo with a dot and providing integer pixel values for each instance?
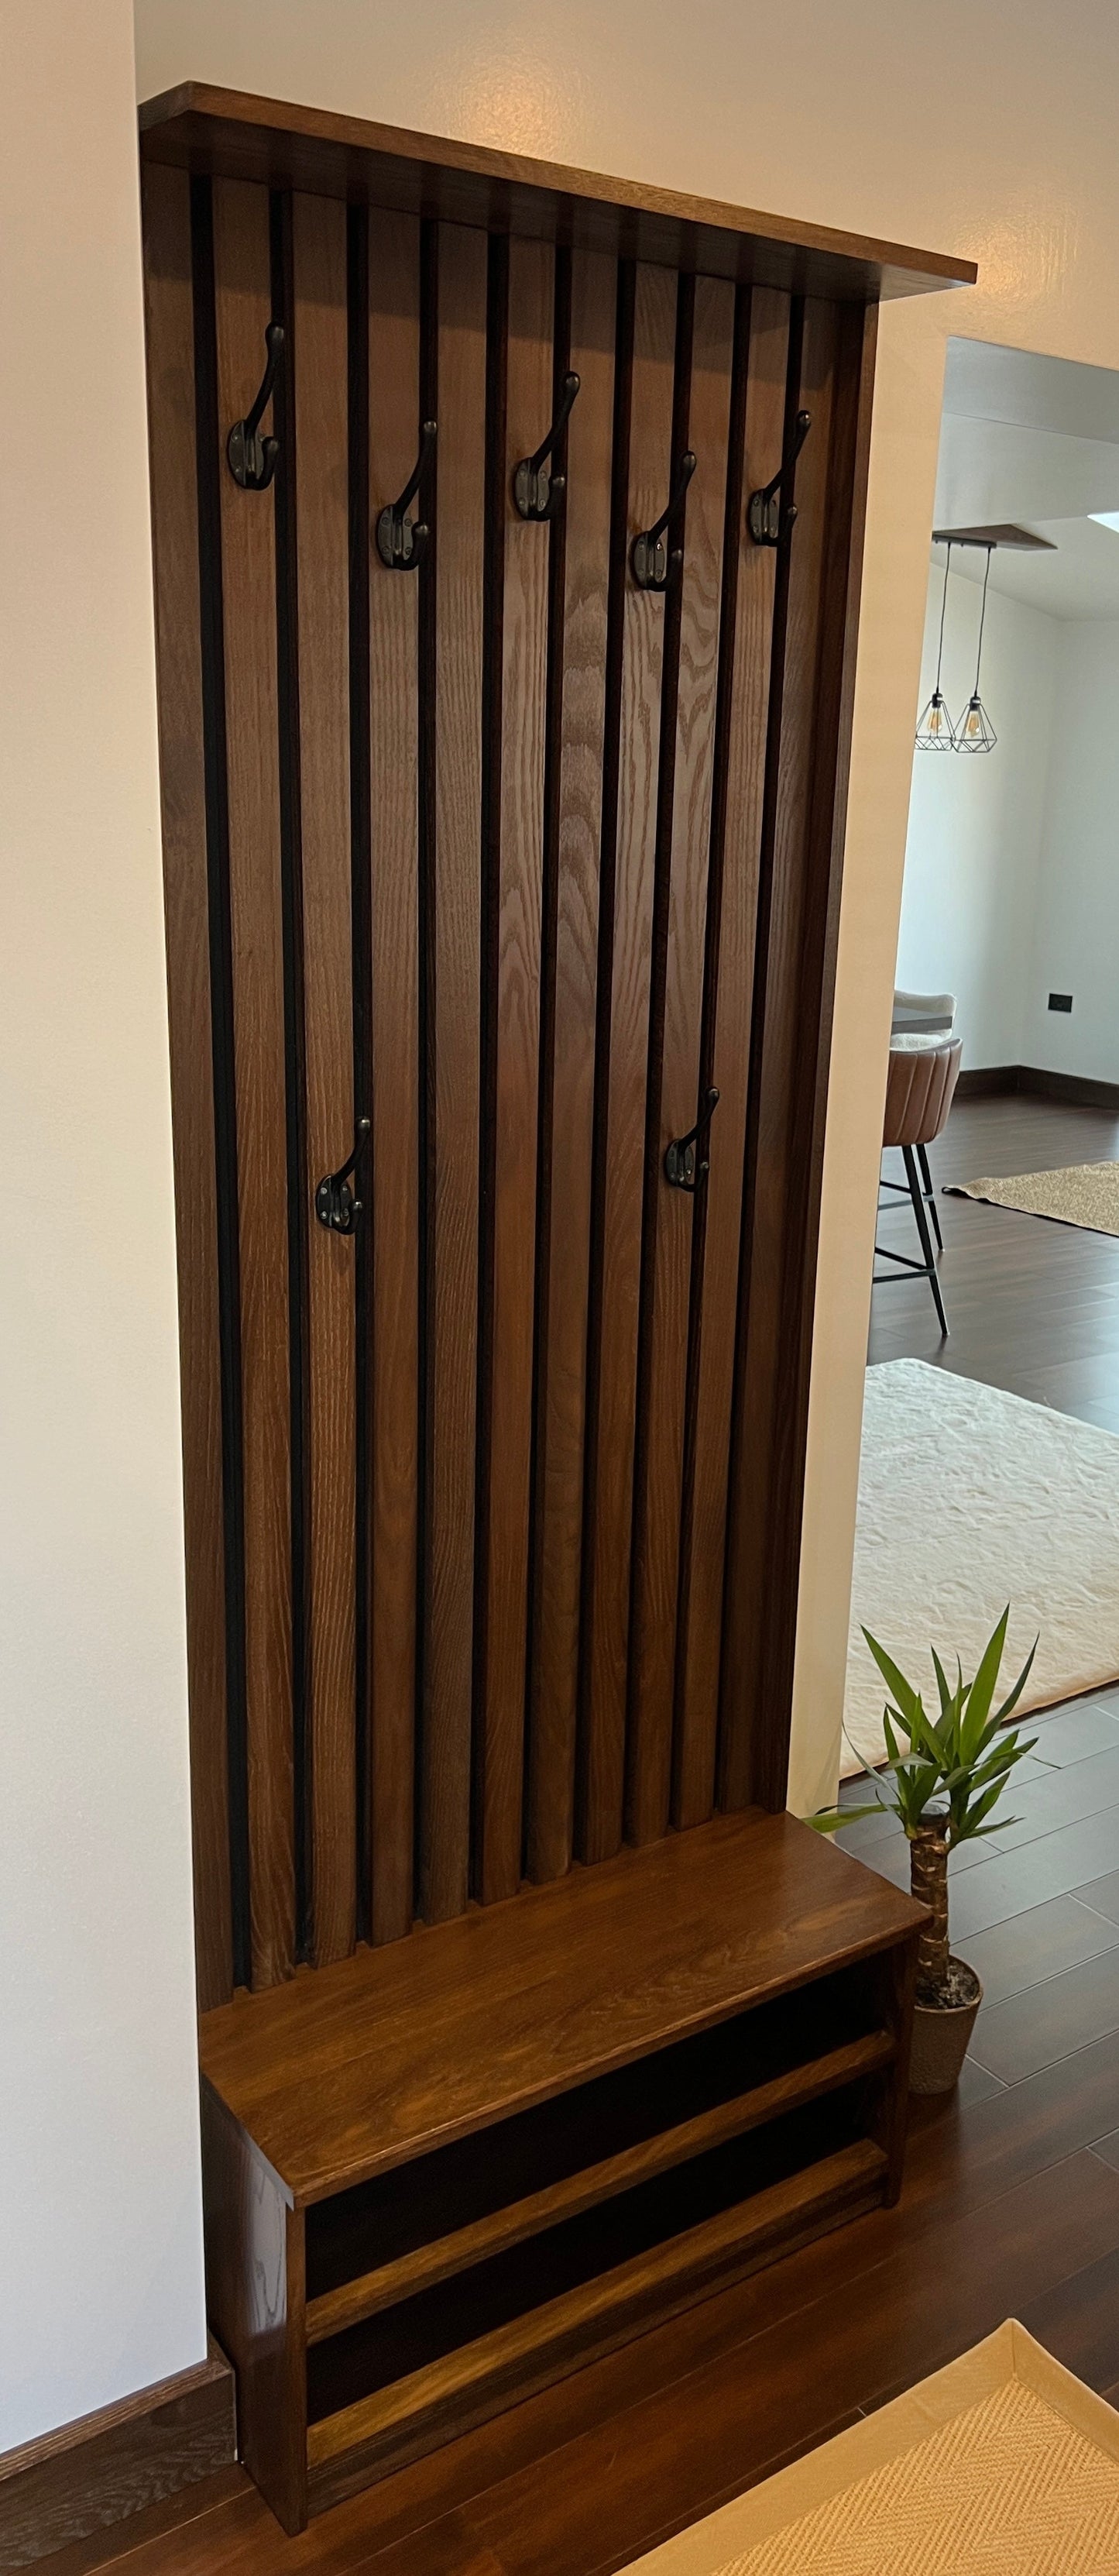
(104, 2468)
(984, 1081)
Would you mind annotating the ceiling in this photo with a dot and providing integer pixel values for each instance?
(1036, 441)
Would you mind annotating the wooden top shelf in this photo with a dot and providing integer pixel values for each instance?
(350, 2070)
(230, 134)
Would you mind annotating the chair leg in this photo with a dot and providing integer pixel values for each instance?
(921, 1214)
(930, 1194)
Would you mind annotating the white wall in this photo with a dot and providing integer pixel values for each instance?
(1075, 945)
(99, 2185)
(973, 852)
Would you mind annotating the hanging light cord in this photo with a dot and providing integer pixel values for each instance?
(982, 615)
(943, 606)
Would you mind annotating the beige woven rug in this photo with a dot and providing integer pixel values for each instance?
(1080, 1194)
(1001, 2465)
(970, 1498)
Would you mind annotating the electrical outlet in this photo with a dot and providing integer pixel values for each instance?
(1060, 1001)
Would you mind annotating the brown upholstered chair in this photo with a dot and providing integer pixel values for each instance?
(919, 1088)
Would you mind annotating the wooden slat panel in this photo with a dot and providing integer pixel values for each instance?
(248, 562)
(170, 338)
(559, 1492)
(728, 1003)
(669, 1212)
(516, 1038)
(394, 598)
(610, 1486)
(453, 1042)
(319, 274)
(758, 1397)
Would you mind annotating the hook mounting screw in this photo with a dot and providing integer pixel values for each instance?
(651, 560)
(402, 542)
(252, 459)
(770, 517)
(537, 492)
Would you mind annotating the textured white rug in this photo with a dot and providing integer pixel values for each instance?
(968, 1499)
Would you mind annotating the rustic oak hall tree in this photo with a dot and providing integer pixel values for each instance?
(507, 529)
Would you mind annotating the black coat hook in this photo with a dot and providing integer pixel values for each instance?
(681, 1169)
(651, 561)
(252, 459)
(335, 1204)
(536, 492)
(401, 542)
(767, 521)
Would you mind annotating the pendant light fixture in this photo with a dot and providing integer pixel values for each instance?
(935, 729)
(975, 731)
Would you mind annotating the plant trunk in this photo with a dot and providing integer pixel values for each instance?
(928, 1878)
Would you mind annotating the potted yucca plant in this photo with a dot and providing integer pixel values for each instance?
(942, 1788)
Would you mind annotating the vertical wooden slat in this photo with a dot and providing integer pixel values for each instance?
(562, 1362)
(319, 273)
(669, 1212)
(610, 1476)
(799, 884)
(736, 841)
(504, 1537)
(394, 409)
(453, 1040)
(243, 307)
(170, 342)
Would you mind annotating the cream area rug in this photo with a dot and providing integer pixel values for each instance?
(1083, 1194)
(1002, 2464)
(970, 1498)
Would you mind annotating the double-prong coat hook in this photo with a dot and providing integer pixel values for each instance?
(536, 491)
(335, 1204)
(682, 1169)
(401, 542)
(770, 516)
(651, 560)
(252, 459)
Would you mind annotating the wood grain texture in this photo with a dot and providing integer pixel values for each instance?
(452, 1361)
(670, 1214)
(728, 1000)
(255, 2295)
(108, 2468)
(514, 968)
(170, 353)
(394, 734)
(403, 2049)
(445, 2256)
(554, 1681)
(610, 1482)
(319, 274)
(474, 184)
(450, 2395)
(249, 596)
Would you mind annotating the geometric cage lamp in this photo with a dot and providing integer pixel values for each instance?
(935, 729)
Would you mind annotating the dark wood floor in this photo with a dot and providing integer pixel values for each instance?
(1011, 2203)
(1032, 1306)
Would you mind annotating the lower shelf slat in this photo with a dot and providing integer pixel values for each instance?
(460, 2389)
(437, 2261)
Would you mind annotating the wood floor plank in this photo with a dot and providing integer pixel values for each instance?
(1014, 1956)
(1051, 2021)
(1078, 2322)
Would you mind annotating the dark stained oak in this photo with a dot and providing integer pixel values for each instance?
(1026, 2031)
(319, 286)
(344, 2075)
(243, 290)
(394, 756)
(453, 1044)
(610, 1488)
(554, 1679)
(514, 970)
(746, 643)
(170, 348)
(670, 1215)
(308, 147)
